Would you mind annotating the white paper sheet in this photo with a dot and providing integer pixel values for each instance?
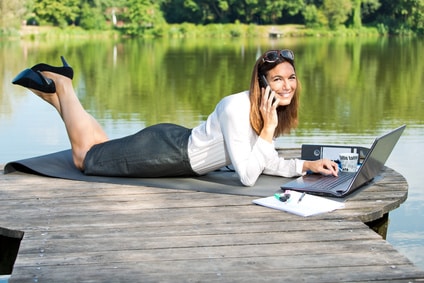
(309, 205)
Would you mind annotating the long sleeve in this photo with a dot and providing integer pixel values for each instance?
(249, 154)
(226, 137)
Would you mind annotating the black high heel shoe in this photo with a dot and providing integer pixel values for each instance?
(34, 79)
(65, 70)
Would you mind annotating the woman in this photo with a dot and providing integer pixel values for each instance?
(240, 131)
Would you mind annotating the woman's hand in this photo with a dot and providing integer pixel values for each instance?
(323, 166)
(268, 110)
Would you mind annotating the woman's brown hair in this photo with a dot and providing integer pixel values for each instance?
(287, 115)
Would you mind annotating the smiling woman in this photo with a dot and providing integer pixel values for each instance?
(225, 138)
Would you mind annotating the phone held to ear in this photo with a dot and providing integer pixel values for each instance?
(264, 83)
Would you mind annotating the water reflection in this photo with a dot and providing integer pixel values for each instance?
(353, 90)
(360, 85)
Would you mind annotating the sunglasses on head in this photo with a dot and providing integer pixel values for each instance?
(273, 55)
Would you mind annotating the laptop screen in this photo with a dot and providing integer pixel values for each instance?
(377, 157)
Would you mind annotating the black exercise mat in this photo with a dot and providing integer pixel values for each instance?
(60, 165)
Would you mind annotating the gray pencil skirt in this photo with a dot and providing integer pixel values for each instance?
(155, 151)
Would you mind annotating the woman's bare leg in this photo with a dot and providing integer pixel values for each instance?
(51, 98)
(83, 130)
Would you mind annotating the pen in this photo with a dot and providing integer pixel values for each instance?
(301, 197)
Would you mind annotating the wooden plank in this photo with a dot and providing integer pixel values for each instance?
(187, 272)
(364, 249)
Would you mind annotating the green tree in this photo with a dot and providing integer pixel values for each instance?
(92, 17)
(409, 13)
(313, 16)
(417, 20)
(143, 15)
(272, 10)
(221, 11)
(294, 7)
(11, 14)
(229, 11)
(401, 16)
(357, 19)
(336, 11)
(361, 7)
(58, 13)
(179, 11)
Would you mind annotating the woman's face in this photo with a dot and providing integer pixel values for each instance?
(282, 80)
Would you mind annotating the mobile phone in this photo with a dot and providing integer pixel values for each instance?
(264, 83)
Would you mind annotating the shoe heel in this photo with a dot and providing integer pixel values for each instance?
(65, 64)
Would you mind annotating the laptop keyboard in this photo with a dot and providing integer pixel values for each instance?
(327, 183)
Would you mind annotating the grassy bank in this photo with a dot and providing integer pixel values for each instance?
(187, 30)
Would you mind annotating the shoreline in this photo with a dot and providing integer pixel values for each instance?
(187, 30)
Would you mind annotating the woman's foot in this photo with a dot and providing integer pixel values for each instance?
(34, 78)
(64, 70)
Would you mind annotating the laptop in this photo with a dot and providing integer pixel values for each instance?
(348, 182)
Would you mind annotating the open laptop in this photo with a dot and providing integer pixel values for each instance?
(347, 182)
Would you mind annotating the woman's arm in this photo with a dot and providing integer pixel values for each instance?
(250, 154)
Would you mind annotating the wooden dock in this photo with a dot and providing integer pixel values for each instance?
(96, 232)
(275, 34)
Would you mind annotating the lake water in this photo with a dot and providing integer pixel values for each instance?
(354, 89)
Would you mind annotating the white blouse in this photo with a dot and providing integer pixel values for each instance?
(226, 137)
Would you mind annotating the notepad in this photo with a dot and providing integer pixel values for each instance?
(309, 205)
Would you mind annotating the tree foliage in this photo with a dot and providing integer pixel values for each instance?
(402, 15)
(59, 13)
(140, 16)
(11, 12)
(337, 11)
